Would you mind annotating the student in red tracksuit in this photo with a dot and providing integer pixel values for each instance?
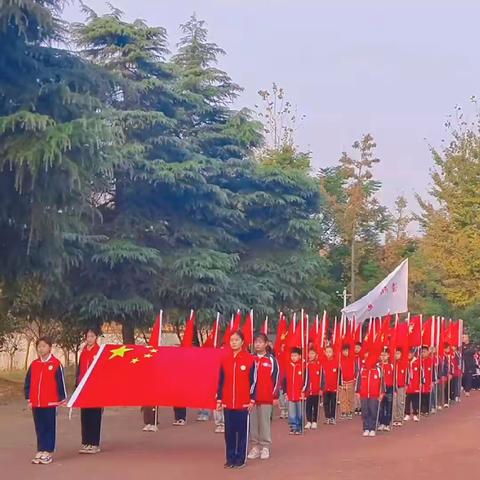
(386, 405)
(347, 377)
(44, 391)
(313, 389)
(413, 387)
(295, 384)
(427, 381)
(236, 395)
(329, 384)
(401, 380)
(267, 391)
(358, 364)
(91, 418)
(457, 373)
(370, 386)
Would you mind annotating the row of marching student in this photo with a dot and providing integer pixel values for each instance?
(388, 388)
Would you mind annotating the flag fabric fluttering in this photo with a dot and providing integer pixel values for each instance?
(248, 330)
(189, 333)
(415, 331)
(389, 296)
(135, 375)
(156, 336)
(212, 339)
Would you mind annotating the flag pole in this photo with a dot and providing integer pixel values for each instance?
(215, 334)
(303, 369)
(421, 370)
(160, 325)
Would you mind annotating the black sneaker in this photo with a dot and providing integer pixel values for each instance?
(239, 466)
(228, 465)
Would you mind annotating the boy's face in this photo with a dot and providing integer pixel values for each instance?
(295, 357)
(398, 355)
(329, 352)
(424, 352)
(43, 349)
(384, 357)
(410, 355)
(312, 355)
(357, 348)
(345, 352)
(260, 346)
(447, 349)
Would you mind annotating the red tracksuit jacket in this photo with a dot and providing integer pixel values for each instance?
(86, 359)
(387, 372)
(45, 383)
(237, 380)
(329, 374)
(427, 377)
(370, 382)
(267, 378)
(296, 381)
(348, 368)
(314, 376)
(401, 374)
(415, 376)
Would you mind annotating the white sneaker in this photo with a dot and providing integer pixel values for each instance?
(146, 428)
(254, 453)
(265, 454)
(406, 418)
(415, 418)
(381, 428)
(366, 433)
(308, 426)
(387, 428)
(372, 433)
(314, 425)
(153, 428)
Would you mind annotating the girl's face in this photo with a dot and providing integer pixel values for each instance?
(312, 355)
(260, 345)
(43, 348)
(236, 342)
(90, 338)
(329, 352)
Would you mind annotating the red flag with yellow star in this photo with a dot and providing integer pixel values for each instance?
(135, 375)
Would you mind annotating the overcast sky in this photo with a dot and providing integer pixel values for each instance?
(352, 67)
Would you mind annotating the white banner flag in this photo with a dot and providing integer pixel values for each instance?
(389, 296)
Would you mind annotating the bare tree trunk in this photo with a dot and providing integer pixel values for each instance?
(25, 365)
(128, 333)
(66, 355)
(12, 356)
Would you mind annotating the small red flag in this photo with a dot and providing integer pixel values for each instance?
(248, 330)
(187, 340)
(156, 336)
(415, 331)
(282, 332)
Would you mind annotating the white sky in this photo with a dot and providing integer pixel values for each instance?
(394, 69)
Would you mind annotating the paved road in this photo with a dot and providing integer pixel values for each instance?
(444, 446)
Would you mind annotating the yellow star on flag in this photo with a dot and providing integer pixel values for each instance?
(148, 355)
(153, 350)
(134, 360)
(119, 352)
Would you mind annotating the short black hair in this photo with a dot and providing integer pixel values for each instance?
(262, 335)
(358, 344)
(425, 347)
(45, 339)
(238, 333)
(94, 330)
(346, 346)
(296, 350)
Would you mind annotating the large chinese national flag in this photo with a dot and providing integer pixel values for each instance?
(136, 375)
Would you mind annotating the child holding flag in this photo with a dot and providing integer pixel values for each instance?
(348, 374)
(91, 418)
(44, 391)
(295, 384)
(329, 384)
(371, 388)
(386, 405)
(413, 388)
(261, 413)
(313, 389)
(400, 383)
